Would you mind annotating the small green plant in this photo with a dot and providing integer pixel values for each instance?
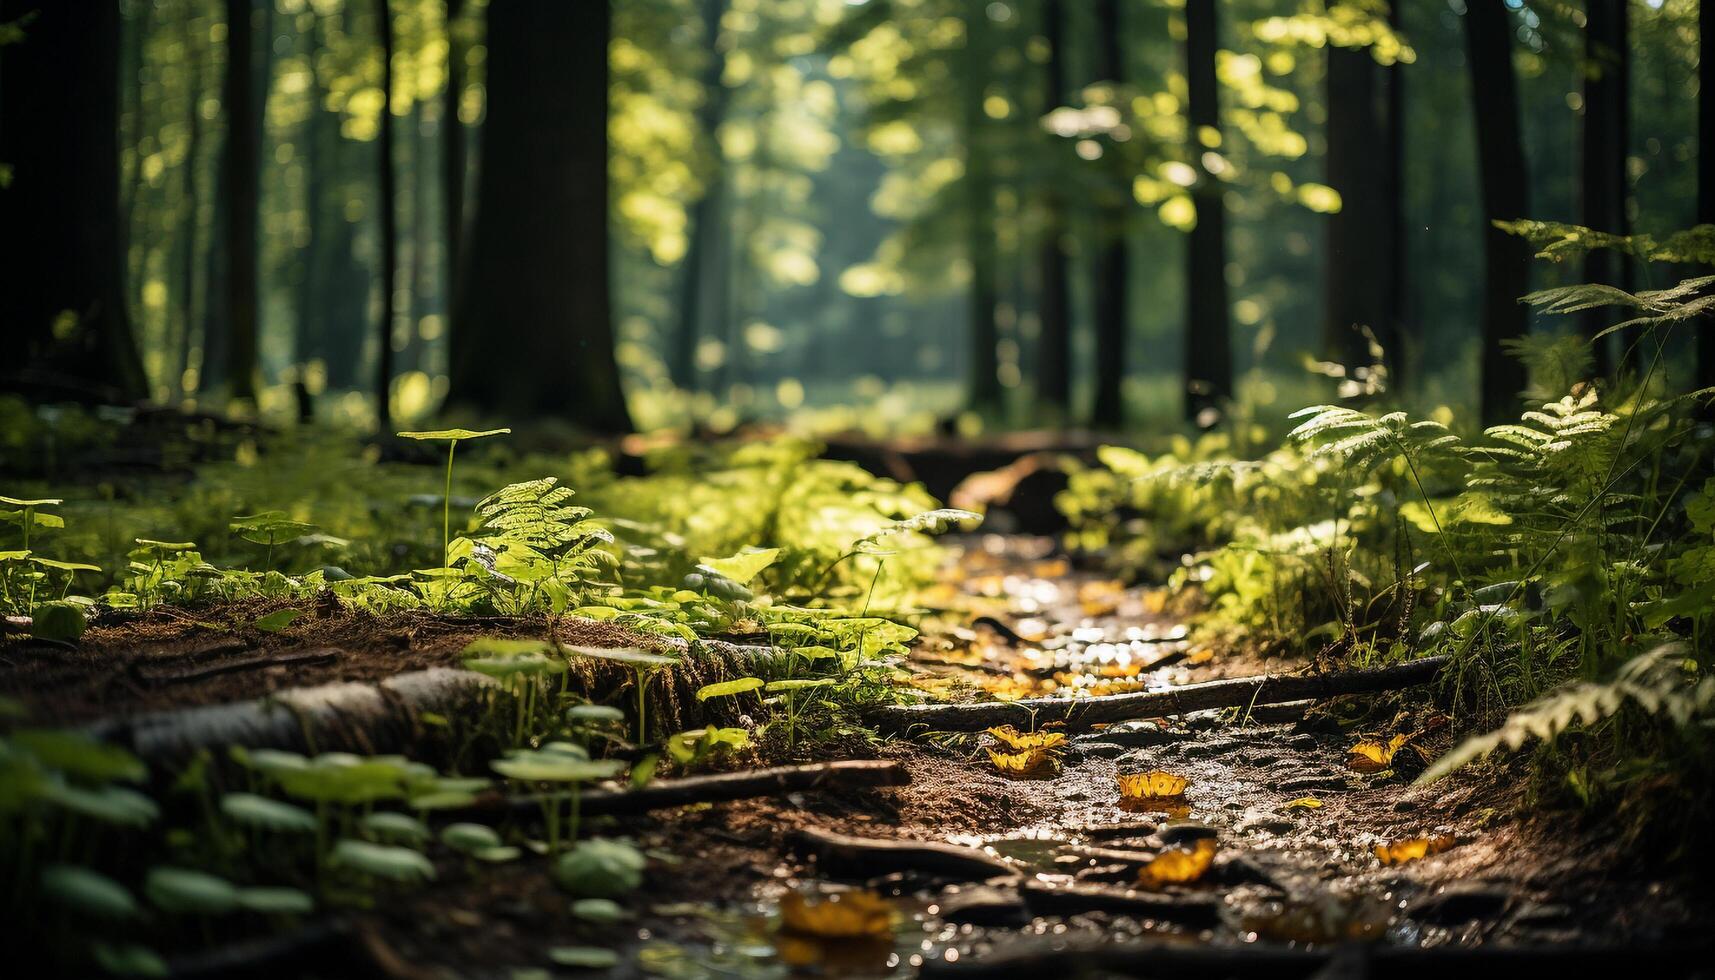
(556, 764)
(452, 437)
(642, 664)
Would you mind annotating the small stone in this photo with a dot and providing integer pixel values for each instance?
(1265, 821)
(1303, 743)
(1097, 750)
(1404, 806)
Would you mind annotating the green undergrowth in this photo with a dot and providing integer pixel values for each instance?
(1565, 562)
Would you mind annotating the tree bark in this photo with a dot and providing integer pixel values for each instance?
(1208, 340)
(389, 192)
(1113, 259)
(1501, 170)
(1607, 67)
(189, 312)
(64, 323)
(983, 385)
(1054, 348)
(1361, 281)
(534, 337)
(1706, 172)
(453, 167)
(243, 186)
(707, 222)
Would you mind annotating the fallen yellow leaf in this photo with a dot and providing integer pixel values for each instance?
(845, 915)
(1025, 763)
(1374, 755)
(1411, 849)
(1304, 803)
(1019, 741)
(1139, 787)
(1178, 866)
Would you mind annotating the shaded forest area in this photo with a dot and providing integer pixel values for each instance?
(1106, 488)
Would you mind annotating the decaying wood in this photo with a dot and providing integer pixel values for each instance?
(844, 856)
(233, 665)
(1084, 712)
(1035, 957)
(1197, 909)
(381, 717)
(721, 787)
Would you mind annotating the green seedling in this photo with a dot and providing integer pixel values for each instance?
(786, 692)
(452, 437)
(520, 665)
(556, 764)
(642, 664)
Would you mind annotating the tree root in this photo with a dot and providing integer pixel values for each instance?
(715, 788)
(1084, 712)
(841, 855)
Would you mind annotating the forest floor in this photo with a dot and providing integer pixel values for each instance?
(1047, 871)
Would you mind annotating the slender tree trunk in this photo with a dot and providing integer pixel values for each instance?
(244, 175)
(389, 192)
(1208, 339)
(1054, 352)
(1706, 172)
(417, 273)
(310, 330)
(707, 219)
(453, 165)
(1112, 257)
(65, 328)
(535, 334)
(189, 313)
(1607, 65)
(1361, 275)
(984, 394)
(1501, 169)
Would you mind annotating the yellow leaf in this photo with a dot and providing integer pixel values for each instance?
(1019, 741)
(1139, 787)
(1411, 849)
(1374, 755)
(1304, 803)
(846, 915)
(1025, 763)
(1178, 866)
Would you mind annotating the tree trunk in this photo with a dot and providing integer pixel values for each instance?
(1706, 172)
(243, 187)
(64, 323)
(1112, 256)
(189, 313)
(1054, 349)
(984, 394)
(1208, 341)
(535, 335)
(707, 221)
(453, 167)
(389, 193)
(1361, 275)
(1607, 65)
(1501, 169)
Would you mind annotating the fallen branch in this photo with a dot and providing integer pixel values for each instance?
(717, 788)
(290, 658)
(1084, 712)
(845, 856)
(1063, 900)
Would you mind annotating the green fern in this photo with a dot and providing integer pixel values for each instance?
(1661, 682)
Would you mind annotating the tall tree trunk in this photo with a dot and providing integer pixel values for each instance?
(983, 394)
(1361, 277)
(389, 192)
(310, 327)
(1607, 65)
(453, 165)
(1208, 338)
(189, 314)
(63, 242)
(417, 272)
(707, 221)
(535, 334)
(1501, 169)
(1111, 312)
(243, 186)
(1054, 351)
(1706, 175)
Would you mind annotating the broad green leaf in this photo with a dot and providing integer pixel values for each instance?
(600, 868)
(278, 620)
(128, 959)
(584, 957)
(88, 892)
(44, 502)
(501, 646)
(79, 755)
(382, 860)
(741, 568)
(393, 826)
(455, 435)
(597, 910)
(260, 811)
(275, 901)
(469, 837)
(799, 684)
(64, 566)
(550, 767)
(592, 714)
(188, 892)
(62, 621)
(630, 656)
(729, 688)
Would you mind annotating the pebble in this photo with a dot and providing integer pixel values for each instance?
(1263, 820)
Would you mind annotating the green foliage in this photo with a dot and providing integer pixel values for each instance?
(600, 868)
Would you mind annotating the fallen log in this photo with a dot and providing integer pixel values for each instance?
(1084, 712)
(844, 856)
(1186, 961)
(713, 788)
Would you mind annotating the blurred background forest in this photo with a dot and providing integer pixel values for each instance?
(884, 214)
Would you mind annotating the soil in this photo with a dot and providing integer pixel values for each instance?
(1296, 829)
